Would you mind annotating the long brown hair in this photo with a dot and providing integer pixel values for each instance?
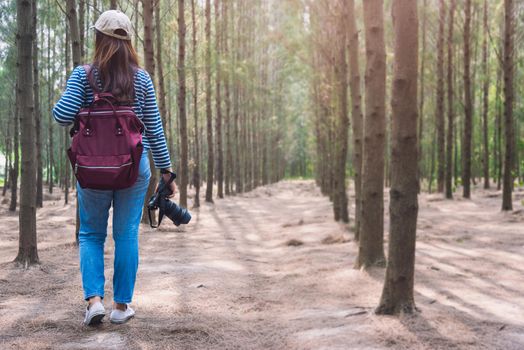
(116, 61)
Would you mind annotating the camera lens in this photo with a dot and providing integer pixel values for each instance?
(176, 213)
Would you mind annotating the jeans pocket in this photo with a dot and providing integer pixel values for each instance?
(144, 172)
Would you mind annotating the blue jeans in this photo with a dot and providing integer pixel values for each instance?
(127, 211)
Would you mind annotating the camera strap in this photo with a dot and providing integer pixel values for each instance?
(151, 220)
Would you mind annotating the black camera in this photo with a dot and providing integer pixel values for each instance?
(166, 207)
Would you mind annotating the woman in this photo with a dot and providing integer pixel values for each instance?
(114, 69)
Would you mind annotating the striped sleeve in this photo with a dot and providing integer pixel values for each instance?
(72, 99)
(154, 129)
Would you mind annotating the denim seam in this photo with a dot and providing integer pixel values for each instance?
(101, 295)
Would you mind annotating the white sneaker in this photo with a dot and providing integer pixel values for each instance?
(94, 314)
(119, 316)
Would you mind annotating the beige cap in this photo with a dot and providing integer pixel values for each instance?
(113, 20)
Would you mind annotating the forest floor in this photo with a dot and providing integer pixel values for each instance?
(235, 279)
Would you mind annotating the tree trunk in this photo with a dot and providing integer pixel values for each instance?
(498, 133)
(77, 56)
(13, 172)
(239, 185)
(196, 169)
(356, 110)
(149, 65)
(113, 4)
(27, 248)
(439, 115)
(65, 135)
(137, 15)
(218, 100)
(209, 115)
(183, 171)
(371, 250)
(7, 164)
(509, 131)
(451, 113)
(37, 115)
(74, 32)
(422, 95)
(432, 162)
(81, 26)
(468, 105)
(485, 103)
(50, 98)
(149, 53)
(160, 70)
(340, 203)
(397, 295)
(227, 80)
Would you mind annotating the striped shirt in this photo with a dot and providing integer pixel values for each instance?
(79, 94)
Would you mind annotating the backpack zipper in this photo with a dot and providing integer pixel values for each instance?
(105, 112)
(100, 166)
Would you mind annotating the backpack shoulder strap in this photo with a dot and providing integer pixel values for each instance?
(88, 69)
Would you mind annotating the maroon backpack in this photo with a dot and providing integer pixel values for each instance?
(106, 144)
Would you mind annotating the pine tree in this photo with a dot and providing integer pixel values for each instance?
(439, 115)
(27, 248)
(356, 109)
(397, 294)
(209, 113)
(468, 105)
(450, 98)
(371, 250)
(509, 131)
(184, 174)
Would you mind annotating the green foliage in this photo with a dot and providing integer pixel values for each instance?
(283, 41)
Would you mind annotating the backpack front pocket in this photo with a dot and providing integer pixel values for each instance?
(104, 172)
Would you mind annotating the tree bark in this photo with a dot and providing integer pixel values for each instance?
(7, 164)
(218, 100)
(74, 32)
(77, 56)
(509, 131)
(209, 114)
(160, 70)
(451, 110)
(65, 134)
(356, 110)
(439, 115)
(422, 92)
(37, 115)
(239, 186)
(149, 65)
(397, 294)
(340, 203)
(371, 250)
(13, 171)
(136, 14)
(229, 154)
(183, 171)
(485, 102)
(468, 105)
(498, 132)
(432, 162)
(27, 248)
(196, 169)
(50, 98)
(81, 26)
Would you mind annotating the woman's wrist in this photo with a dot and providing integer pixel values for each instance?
(166, 173)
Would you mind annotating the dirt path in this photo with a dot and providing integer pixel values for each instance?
(232, 281)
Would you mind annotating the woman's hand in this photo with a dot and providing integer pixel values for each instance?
(172, 185)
